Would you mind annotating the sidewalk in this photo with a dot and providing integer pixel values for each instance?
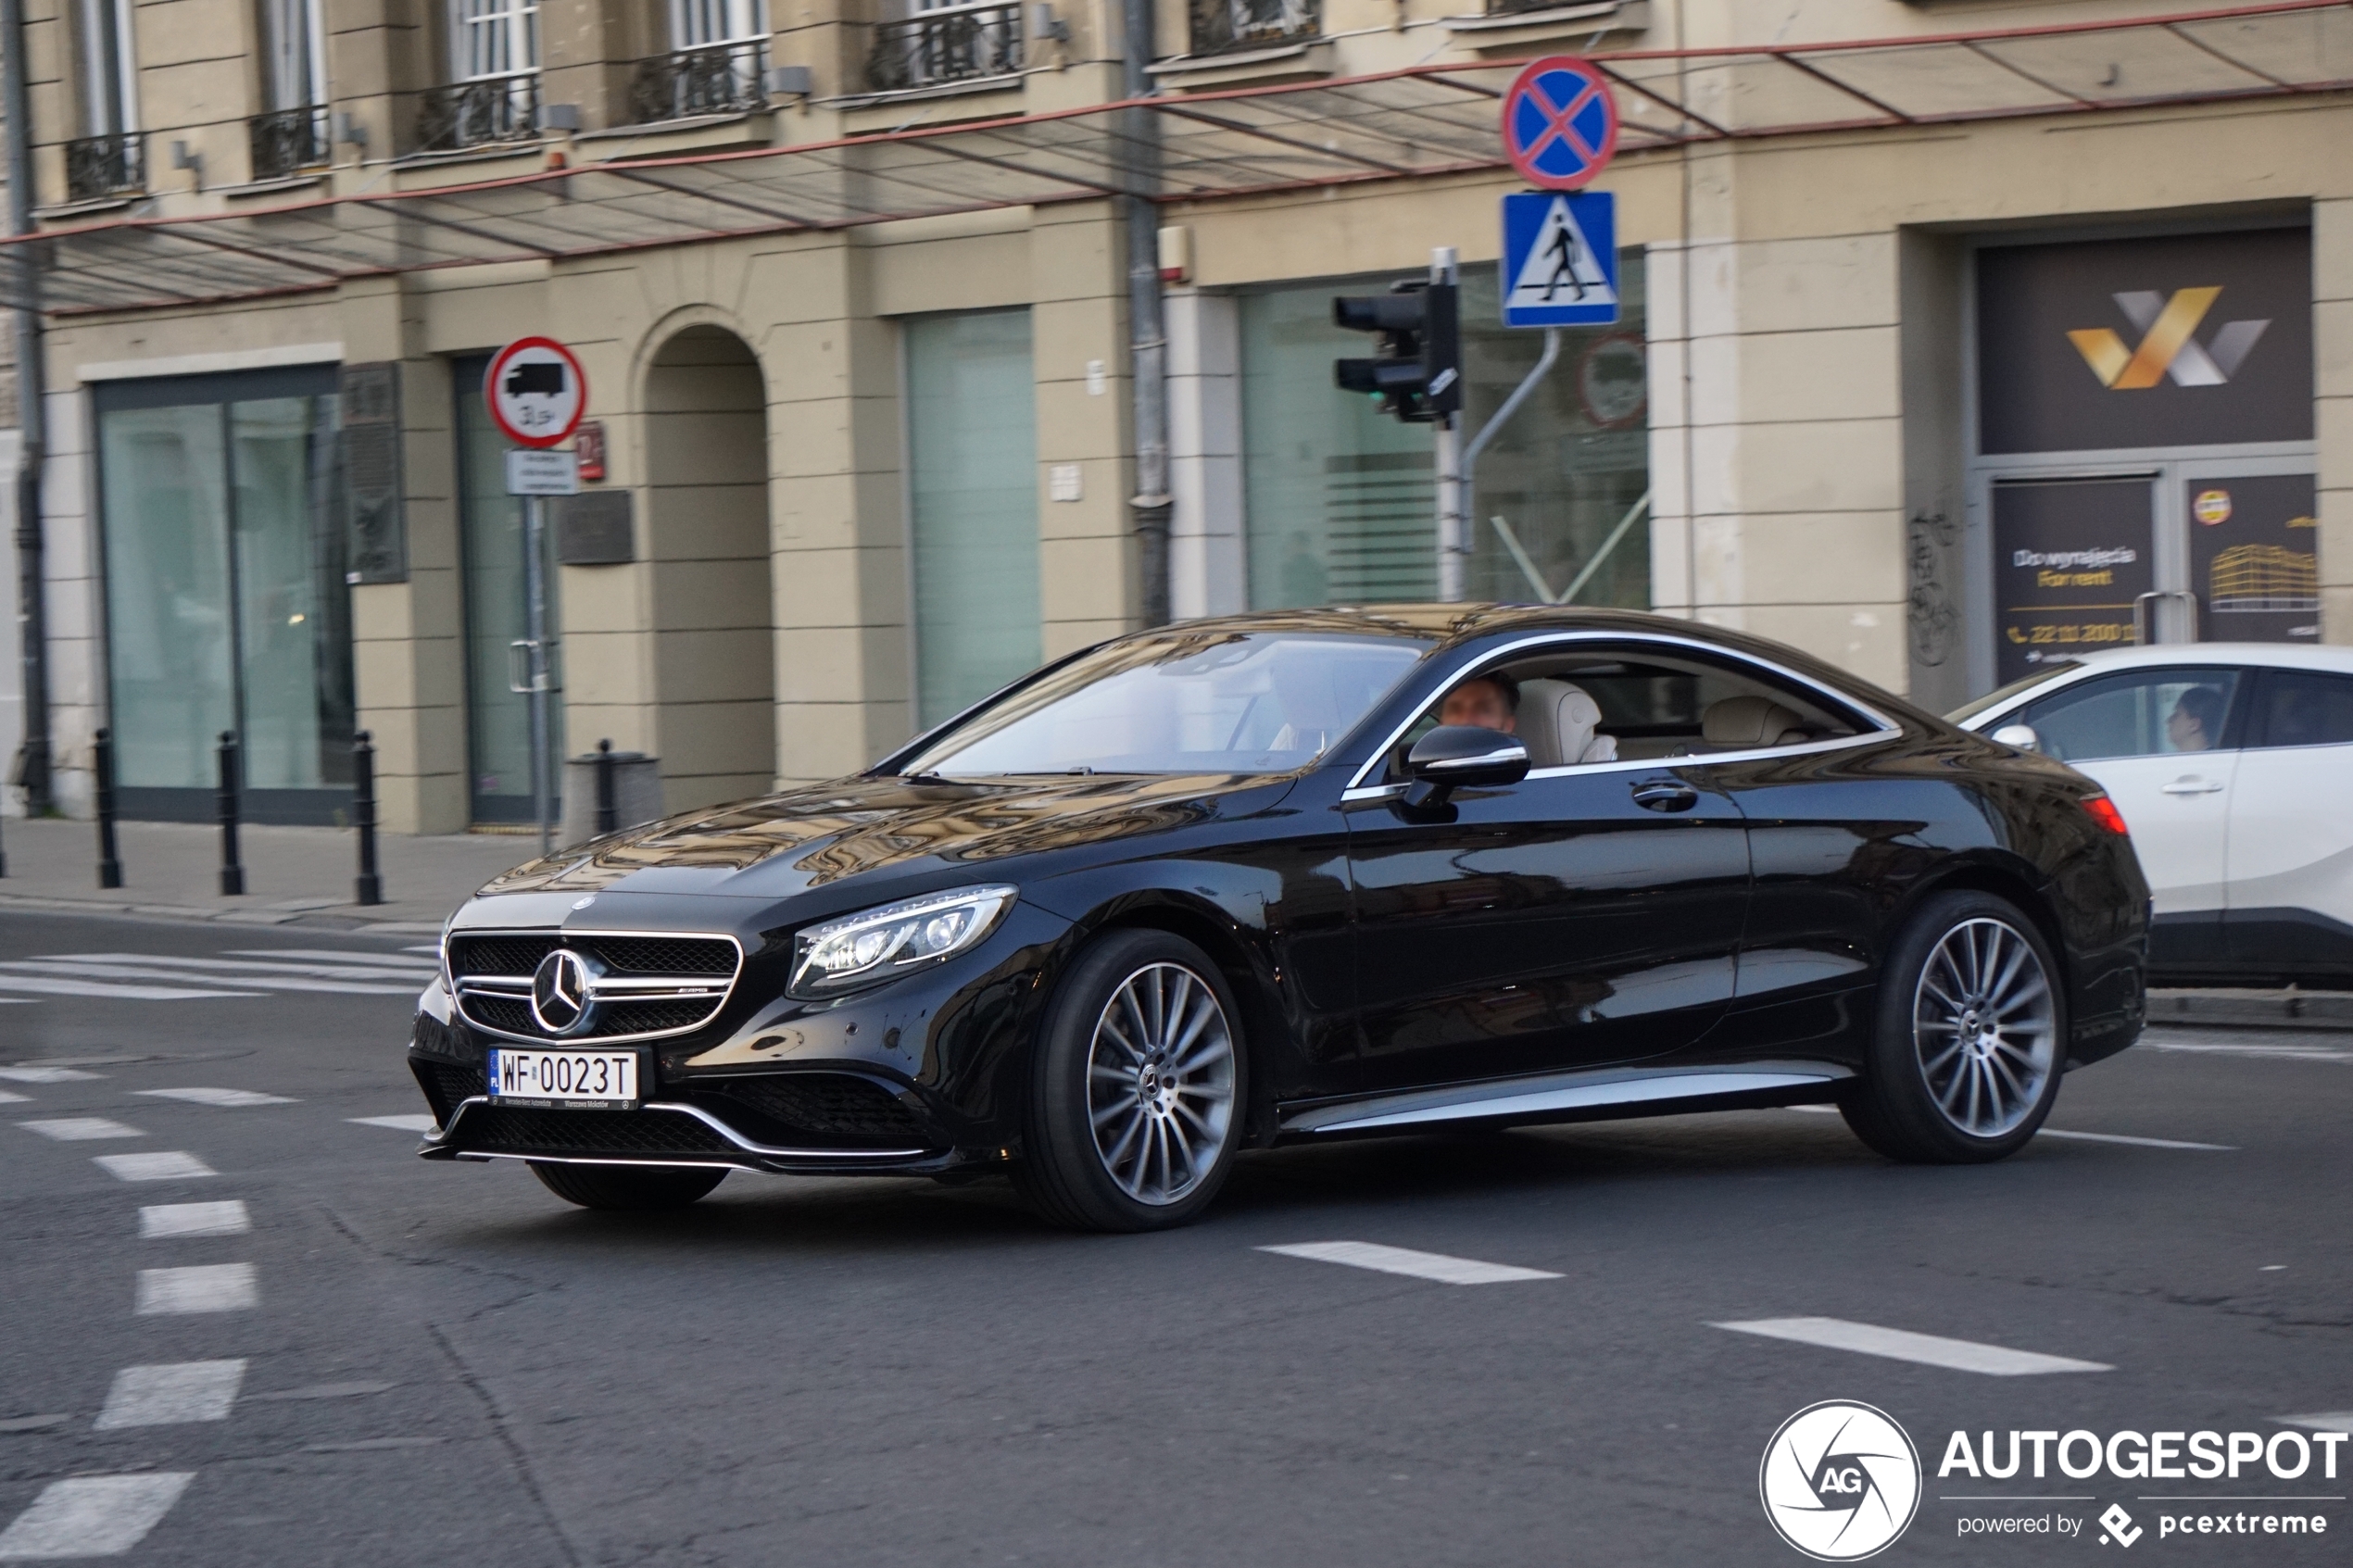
(292, 875)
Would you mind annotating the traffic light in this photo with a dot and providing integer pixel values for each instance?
(1417, 373)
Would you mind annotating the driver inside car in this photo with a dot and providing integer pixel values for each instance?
(1488, 702)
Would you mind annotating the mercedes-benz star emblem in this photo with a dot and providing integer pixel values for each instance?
(559, 991)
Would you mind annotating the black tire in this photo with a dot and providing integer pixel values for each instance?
(638, 1188)
(1065, 1175)
(1967, 1078)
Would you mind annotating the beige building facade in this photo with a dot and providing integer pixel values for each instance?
(855, 473)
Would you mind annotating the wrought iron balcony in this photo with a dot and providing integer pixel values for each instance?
(955, 44)
(97, 167)
(1222, 27)
(475, 114)
(717, 78)
(289, 141)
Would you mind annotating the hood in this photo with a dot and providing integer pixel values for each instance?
(781, 844)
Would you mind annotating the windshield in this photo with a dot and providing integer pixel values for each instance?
(1201, 702)
(1969, 710)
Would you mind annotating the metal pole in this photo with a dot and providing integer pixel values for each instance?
(233, 870)
(370, 887)
(608, 813)
(1147, 334)
(102, 761)
(31, 420)
(1453, 538)
(534, 572)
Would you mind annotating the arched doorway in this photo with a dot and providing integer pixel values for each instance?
(707, 510)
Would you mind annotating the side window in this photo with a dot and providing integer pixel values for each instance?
(2143, 713)
(2302, 707)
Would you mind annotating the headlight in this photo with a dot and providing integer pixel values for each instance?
(860, 950)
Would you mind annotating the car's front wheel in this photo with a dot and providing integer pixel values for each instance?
(639, 1187)
(1965, 1061)
(1137, 1091)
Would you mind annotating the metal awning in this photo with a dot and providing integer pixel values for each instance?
(1429, 120)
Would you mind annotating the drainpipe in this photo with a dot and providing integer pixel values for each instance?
(1147, 341)
(32, 411)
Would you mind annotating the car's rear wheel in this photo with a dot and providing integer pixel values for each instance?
(1965, 1061)
(639, 1187)
(1136, 1099)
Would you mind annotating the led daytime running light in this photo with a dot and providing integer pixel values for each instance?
(875, 944)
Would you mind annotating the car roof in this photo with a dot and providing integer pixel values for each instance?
(2277, 655)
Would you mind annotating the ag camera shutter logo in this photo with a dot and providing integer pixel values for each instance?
(1840, 1481)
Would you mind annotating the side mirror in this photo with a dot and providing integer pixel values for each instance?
(1457, 757)
(2020, 736)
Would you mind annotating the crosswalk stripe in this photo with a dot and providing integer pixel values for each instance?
(241, 968)
(2328, 1421)
(159, 1219)
(330, 954)
(164, 1165)
(8, 1098)
(91, 1516)
(96, 988)
(9, 970)
(81, 1129)
(398, 1123)
(1405, 1261)
(45, 1075)
(171, 1394)
(1901, 1345)
(226, 1098)
(202, 1287)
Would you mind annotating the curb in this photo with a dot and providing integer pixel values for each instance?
(2252, 1009)
(316, 916)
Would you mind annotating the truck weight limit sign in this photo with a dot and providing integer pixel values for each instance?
(535, 392)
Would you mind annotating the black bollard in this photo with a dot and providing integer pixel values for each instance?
(233, 873)
(607, 813)
(363, 815)
(109, 864)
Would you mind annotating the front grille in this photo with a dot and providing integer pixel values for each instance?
(831, 1105)
(503, 1012)
(447, 1084)
(646, 1018)
(663, 955)
(497, 955)
(639, 984)
(510, 1129)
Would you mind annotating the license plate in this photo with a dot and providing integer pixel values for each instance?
(564, 1077)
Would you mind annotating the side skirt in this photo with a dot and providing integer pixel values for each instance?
(1573, 1096)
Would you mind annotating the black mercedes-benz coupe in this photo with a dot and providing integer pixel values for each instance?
(1298, 877)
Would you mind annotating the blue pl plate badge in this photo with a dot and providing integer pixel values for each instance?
(1560, 258)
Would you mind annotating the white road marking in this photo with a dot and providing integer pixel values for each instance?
(162, 1166)
(1900, 1344)
(91, 1516)
(7, 1099)
(34, 1423)
(2142, 1143)
(2331, 1420)
(2309, 1053)
(81, 1129)
(329, 955)
(255, 970)
(435, 949)
(224, 1097)
(206, 1288)
(194, 1219)
(327, 1391)
(11, 979)
(45, 1075)
(98, 988)
(398, 1123)
(1404, 1261)
(171, 1394)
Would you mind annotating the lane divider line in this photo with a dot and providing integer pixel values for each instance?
(1901, 1345)
(171, 1394)
(81, 1129)
(223, 1098)
(164, 1165)
(193, 1219)
(91, 1516)
(1405, 1261)
(203, 1287)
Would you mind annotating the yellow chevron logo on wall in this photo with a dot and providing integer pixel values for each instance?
(2168, 346)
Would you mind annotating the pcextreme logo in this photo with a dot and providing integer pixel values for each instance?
(1841, 1481)
(2168, 347)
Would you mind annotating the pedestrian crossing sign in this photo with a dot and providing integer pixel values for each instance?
(1560, 258)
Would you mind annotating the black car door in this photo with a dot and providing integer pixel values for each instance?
(1583, 916)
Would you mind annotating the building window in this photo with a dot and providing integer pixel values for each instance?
(1341, 501)
(291, 134)
(226, 607)
(1217, 27)
(717, 63)
(492, 93)
(972, 459)
(105, 160)
(942, 41)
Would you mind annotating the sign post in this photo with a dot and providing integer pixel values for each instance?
(537, 394)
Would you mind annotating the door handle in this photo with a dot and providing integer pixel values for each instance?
(2192, 786)
(1665, 794)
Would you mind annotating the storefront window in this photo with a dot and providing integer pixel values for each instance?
(499, 717)
(1340, 498)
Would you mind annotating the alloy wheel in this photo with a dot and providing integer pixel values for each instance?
(1984, 1027)
(1160, 1082)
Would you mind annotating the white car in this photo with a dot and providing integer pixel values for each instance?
(2233, 765)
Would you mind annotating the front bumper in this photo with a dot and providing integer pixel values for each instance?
(658, 1132)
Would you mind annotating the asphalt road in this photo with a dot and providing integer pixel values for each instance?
(445, 1364)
